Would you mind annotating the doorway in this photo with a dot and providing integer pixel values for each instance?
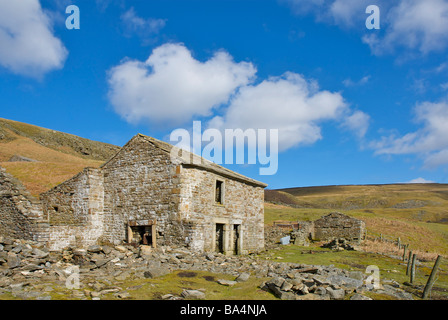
(219, 238)
(142, 233)
(236, 239)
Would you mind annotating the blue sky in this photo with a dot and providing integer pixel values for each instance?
(352, 105)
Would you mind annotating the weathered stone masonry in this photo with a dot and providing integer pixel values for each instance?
(146, 194)
(20, 213)
(337, 225)
(74, 210)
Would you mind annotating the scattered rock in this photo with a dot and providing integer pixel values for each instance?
(193, 294)
(155, 272)
(228, 283)
(94, 249)
(243, 277)
(358, 296)
(336, 294)
(26, 264)
(339, 245)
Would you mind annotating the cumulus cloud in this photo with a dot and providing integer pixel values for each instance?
(27, 43)
(419, 25)
(171, 86)
(430, 141)
(290, 103)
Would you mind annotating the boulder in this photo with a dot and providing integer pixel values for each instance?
(242, 277)
(13, 261)
(228, 283)
(336, 294)
(193, 294)
(154, 272)
(95, 249)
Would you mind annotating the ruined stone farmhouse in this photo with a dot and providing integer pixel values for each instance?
(337, 225)
(151, 194)
(334, 225)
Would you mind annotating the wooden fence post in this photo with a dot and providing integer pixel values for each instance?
(409, 263)
(404, 252)
(414, 256)
(432, 277)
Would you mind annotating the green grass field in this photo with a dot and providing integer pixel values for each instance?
(416, 213)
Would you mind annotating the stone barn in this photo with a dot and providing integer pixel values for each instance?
(150, 194)
(337, 225)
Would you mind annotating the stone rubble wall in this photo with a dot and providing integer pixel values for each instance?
(75, 210)
(20, 213)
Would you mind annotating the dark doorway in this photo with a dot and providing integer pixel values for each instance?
(142, 235)
(236, 238)
(219, 238)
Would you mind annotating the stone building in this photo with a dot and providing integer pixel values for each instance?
(337, 225)
(334, 225)
(151, 194)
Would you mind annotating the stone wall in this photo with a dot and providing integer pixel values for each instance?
(20, 213)
(303, 234)
(337, 225)
(141, 183)
(75, 210)
(241, 213)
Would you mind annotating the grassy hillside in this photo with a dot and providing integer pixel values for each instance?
(417, 213)
(57, 156)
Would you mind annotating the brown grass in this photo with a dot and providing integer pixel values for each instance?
(388, 248)
(52, 168)
(409, 232)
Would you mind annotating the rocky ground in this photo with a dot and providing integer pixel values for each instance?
(28, 270)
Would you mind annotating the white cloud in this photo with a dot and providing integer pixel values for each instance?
(140, 26)
(344, 13)
(418, 25)
(349, 13)
(171, 86)
(27, 43)
(420, 180)
(429, 142)
(358, 122)
(290, 103)
(442, 67)
(415, 25)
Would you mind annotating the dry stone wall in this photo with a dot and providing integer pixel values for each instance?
(20, 213)
(75, 210)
